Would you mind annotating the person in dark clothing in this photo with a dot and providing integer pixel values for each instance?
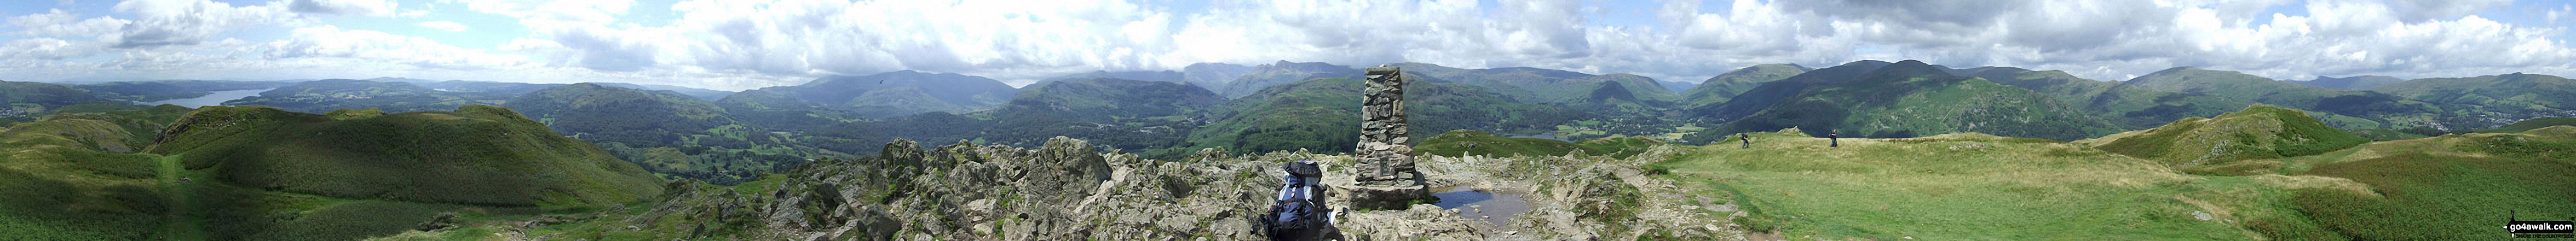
(1836, 136)
(1747, 138)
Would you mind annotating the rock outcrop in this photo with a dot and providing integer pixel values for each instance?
(1066, 190)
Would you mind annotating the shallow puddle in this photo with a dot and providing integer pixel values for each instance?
(1492, 207)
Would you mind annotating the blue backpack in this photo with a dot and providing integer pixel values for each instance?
(1299, 211)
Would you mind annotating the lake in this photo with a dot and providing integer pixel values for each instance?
(215, 99)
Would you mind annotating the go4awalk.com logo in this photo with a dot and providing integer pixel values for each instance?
(2540, 229)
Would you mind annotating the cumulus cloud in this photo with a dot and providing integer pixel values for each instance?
(186, 22)
(753, 43)
(55, 22)
(343, 7)
(2114, 40)
(444, 26)
(45, 49)
(333, 42)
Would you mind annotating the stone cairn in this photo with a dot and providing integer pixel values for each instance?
(1385, 175)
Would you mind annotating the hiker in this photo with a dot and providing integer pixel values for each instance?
(1299, 212)
(1836, 136)
(1747, 138)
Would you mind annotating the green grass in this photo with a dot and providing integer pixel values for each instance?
(2442, 187)
(1975, 187)
(1912, 99)
(477, 155)
(2535, 123)
(2258, 132)
(355, 220)
(63, 181)
(1462, 142)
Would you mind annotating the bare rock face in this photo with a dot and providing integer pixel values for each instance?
(1385, 176)
(1064, 190)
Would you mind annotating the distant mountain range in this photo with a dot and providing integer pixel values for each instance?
(343, 159)
(2360, 82)
(1860, 98)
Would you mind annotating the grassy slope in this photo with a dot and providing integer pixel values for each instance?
(1463, 142)
(480, 155)
(1977, 187)
(1910, 99)
(2493, 100)
(2444, 187)
(1720, 88)
(2363, 82)
(901, 93)
(2130, 106)
(1263, 77)
(2507, 92)
(63, 182)
(1550, 86)
(1322, 115)
(2373, 109)
(615, 114)
(2535, 123)
(2258, 132)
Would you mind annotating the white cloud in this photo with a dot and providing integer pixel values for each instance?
(343, 7)
(332, 42)
(58, 23)
(46, 49)
(444, 26)
(753, 43)
(186, 22)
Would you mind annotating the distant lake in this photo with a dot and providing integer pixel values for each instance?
(215, 99)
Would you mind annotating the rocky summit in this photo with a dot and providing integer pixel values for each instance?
(1067, 190)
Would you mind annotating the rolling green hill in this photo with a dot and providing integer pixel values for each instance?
(665, 132)
(2214, 144)
(2363, 82)
(481, 155)
(1971, 186)
(901, 93)
(1108, 100)
(1469, 142)
(1773, 93)
(1283, 72)
(2534, 124)
(1213, 76)
(1322, 115)
(260, 173)
(19, 100)
(2442, 187)
(2375, 109)
(334, 94)
(614, 114)
(2493, 100)
(76, 177)
(1125, 114)
(1153, 76)
(774, 110)
(1536, 85)
(1907, 99)
(2131, 107)
(1725, 86)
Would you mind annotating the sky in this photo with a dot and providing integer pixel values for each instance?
(744, 44)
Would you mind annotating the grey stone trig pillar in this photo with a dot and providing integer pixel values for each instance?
(1385, 176)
